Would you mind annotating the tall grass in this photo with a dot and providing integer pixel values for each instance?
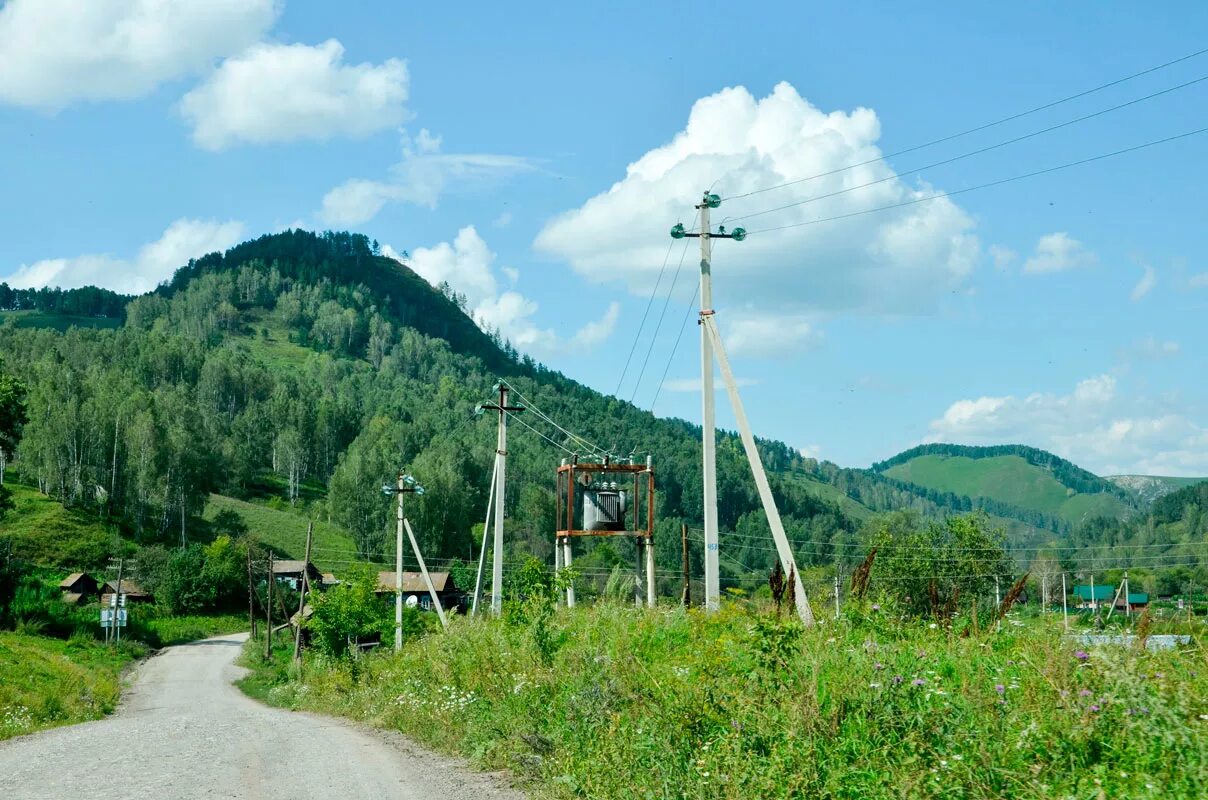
(745, 704)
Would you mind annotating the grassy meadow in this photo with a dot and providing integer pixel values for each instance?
(611, 702)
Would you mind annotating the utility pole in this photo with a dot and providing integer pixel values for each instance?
(836, 592)
(423, 570)
(711, 347)
(687, 597)
(482, 552)
(406, 485)
(117, 606)
(310, 529)
(501, 453)
(1044, 593)
(268, 612)
(1127, 603)
(251, 609)
(1094, 602)
(1065, 611)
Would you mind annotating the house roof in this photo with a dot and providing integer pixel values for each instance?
(128, 587)
(294, 567)
(1102, 591)
(329, 579)
(414, 582)
(1137, 598)
(72, 598)
(71, 579)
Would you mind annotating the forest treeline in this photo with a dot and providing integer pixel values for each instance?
(88, 301)
(311, 368)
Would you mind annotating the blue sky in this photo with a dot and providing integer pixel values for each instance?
(536, 158)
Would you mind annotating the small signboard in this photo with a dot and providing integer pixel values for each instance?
(107, 616)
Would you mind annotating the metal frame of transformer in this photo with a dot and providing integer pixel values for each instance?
(566, 531)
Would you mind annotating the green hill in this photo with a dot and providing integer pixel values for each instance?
(1021, 480)
(1149, 488)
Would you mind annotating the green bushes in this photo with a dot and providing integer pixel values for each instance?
(197, 579)
(745, 704)
(352, 612)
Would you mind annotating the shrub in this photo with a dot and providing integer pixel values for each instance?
(353, 612)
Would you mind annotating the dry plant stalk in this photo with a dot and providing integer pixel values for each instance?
(859, 578)
(776, 584)
(1144, 626)
(1012, 595)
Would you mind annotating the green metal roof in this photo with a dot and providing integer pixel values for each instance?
(1137, 598)
(1102, 591)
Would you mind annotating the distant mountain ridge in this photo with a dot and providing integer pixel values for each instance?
(1151, 488)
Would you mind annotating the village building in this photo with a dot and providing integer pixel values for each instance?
(134, 593)
(415, 590)
(290, 573)
(79, 588)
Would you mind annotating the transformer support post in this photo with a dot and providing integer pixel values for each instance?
(566, 563)
(650, 598)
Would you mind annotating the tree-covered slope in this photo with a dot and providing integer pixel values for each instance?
(1149, 488)
(1021, 479)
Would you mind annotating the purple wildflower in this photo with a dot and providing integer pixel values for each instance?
(1084, 693)
(1081, 655)
(897, 679)
(1094, 709)
(878, 665)
(918, 682)
(998, 687)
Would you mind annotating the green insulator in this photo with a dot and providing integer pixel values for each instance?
(712, 200)
(738, 234)
(678, 231)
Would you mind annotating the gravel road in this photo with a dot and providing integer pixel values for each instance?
(183, 731)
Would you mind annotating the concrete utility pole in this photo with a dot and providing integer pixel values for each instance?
(687, 598)
(1044, 593)
(1127, 602)
(711, 348)
(406, 485)
(482, 551)
(423, 569)
(836, 593)
(501, 452)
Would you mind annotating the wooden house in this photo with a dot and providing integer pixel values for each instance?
(79, 588)
(415, 590)
(290, 572)
(134, 593)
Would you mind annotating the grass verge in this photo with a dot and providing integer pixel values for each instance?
(612, 703)
(47, 682)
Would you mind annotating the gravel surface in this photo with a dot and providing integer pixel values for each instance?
(183, 731)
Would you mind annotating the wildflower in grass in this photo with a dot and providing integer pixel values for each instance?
(919, 682)
(878, 665)
(1081, 655)
(874, 686)
(998, 687)
(1094, 708)
(876, 607)
(1084, 693)
(921, 654)
(897, 679)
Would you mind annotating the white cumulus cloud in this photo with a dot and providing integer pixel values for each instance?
(898, 261)
(286, 92)
(467, 265)
(1199, 281)
(56, 52)
(1095, 426)
(154, 262)
(1057, 252)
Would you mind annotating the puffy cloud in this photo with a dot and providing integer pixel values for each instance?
(1093, 426)
(1001, 256)
(280, 93)
(155, 262)
(1057, 252)
(1149, 279)
(895, 261)
(746, 333)
(56, 52)
(420, 177)
(1199, 281)
(467, 265)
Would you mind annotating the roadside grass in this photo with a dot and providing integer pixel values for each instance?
(165, 631)
(610, 702)
(47, 682)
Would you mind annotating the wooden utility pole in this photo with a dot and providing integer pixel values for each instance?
(687, 597)
(501, 453)
(310, 529)
(251, 608)
(268, 612)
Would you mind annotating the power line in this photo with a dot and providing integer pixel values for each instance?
(971, 153)
(524, 424)
(976, 129)
(662, 316)
(674, 348)
(642, 326)
(575, 438)
(1000, 182)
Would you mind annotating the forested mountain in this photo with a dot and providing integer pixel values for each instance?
(311, 366)
(1012, 481)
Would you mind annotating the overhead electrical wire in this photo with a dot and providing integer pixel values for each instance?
(976, 129)
(988, 185)
(970, 154)
(530, 406)
(675, 347)
(658, 327)
(637, 337)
